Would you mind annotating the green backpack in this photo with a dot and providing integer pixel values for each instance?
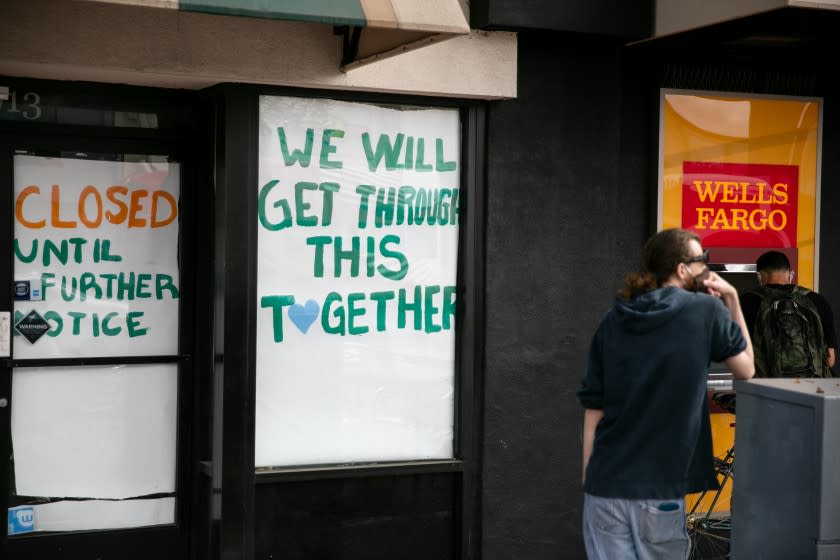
(788, 335)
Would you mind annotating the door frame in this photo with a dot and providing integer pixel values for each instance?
(178, 140)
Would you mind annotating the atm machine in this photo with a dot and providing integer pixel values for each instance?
(736, 266)
(743, 276)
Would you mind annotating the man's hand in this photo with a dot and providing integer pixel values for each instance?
(719, 287)
(741, 365)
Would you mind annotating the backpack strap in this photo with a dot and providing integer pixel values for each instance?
(801, 290)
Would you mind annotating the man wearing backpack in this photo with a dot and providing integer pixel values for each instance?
(792, 328)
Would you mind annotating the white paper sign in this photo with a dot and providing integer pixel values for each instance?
(357, 270)
(98, 243)
(99, 514)
(94, 432)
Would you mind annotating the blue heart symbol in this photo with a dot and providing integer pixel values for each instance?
(304, 315)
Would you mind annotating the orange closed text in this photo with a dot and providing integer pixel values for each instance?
(117, 205)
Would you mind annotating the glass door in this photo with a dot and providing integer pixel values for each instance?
(92, 341)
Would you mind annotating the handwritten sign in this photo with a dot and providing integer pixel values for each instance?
(99, 240)
(359, 211)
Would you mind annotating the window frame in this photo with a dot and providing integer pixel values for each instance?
(238, 119)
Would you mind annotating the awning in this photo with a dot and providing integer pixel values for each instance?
(372, 29)
(678, 16)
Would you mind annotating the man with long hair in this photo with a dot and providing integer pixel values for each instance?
(647, 438)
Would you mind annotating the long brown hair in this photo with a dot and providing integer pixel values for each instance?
(661, 256)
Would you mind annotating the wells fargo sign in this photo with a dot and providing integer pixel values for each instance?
(740, 204)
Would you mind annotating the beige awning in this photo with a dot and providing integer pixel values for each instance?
(372, 29)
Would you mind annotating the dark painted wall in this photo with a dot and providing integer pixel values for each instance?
(622, 18)
(569, 200)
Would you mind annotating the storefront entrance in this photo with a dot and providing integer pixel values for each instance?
(96, 369)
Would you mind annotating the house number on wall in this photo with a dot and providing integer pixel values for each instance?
(29, 105)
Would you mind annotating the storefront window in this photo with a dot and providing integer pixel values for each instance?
(356, 293)
(741, 171)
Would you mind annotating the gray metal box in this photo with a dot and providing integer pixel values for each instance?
(786, 494)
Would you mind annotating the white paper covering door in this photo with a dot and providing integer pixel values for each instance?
(96, 256)
(357, 271)
(94, 432)
(100, 514)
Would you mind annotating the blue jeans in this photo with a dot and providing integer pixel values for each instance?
(615, 529)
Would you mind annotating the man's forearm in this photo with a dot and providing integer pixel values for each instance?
(734, 307)
(591, 417)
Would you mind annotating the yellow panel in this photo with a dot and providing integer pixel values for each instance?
(720, 128)
(723, 437)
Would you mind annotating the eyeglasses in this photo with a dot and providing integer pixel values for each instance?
(703, 258)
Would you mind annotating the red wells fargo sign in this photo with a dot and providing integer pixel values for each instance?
(740, 204)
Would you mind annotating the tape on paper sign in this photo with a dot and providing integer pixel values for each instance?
(21, 520)
(5, 333)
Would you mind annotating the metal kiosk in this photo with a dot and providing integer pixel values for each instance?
(786, 498)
